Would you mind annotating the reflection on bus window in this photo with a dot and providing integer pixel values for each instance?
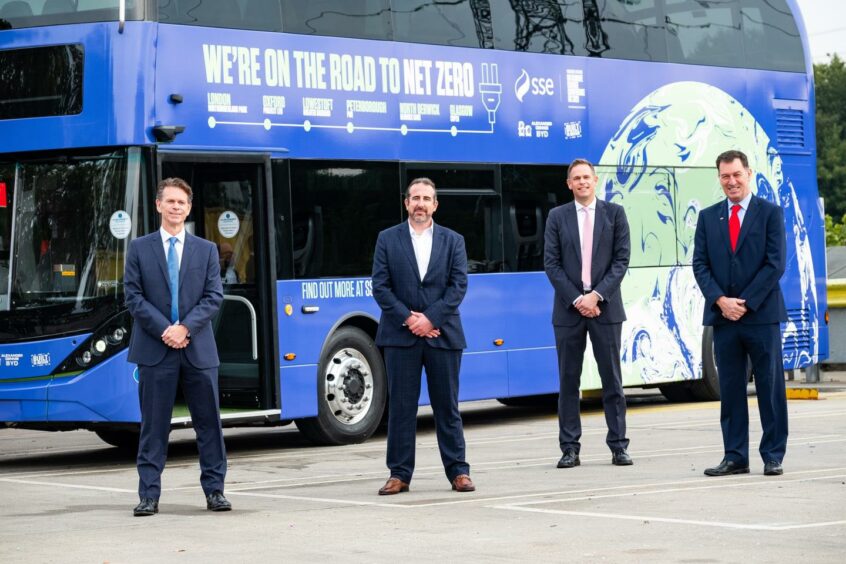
(64, 251)
(625, 30)
(364, 19)
(233, 197)
(539, 27)
(41, 81)
(708, 35)
(458, 23)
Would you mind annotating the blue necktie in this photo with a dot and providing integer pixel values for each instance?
(173, 274)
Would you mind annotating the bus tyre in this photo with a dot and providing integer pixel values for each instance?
(124, 439)
(351, 390)
(708, 388)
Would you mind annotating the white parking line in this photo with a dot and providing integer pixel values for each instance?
(65, 485)
(653, 519)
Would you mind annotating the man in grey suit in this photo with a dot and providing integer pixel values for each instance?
(173, 289)
(586, 255)
(419, 280)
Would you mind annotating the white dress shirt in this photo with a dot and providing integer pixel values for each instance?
(744, 205)
(422, 244)
(180, 243)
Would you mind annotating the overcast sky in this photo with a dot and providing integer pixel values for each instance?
(825, 21)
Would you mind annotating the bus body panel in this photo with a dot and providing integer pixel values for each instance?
(107, 392)
(117, 88)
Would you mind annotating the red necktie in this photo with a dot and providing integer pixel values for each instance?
(734, 226)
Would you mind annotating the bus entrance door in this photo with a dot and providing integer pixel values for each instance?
(225, 210)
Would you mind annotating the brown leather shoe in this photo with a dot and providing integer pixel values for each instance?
(463, 483)
(393, 486)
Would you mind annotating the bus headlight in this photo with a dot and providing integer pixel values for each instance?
(108, 339)
(84, 359)
(116, 336)
(98, 347)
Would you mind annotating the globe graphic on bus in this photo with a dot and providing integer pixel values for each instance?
(660, 166)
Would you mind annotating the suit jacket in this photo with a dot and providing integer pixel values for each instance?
(147, 291)
(562, 258)
(398, 289)
(752, 272)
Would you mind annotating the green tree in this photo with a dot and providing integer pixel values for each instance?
(835, 233)
(830, 80)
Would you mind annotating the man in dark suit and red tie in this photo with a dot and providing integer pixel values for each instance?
(586, 255)
(419, 280)
(738, 260)
(173, 289)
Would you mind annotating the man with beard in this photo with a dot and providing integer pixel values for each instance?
(419, 280)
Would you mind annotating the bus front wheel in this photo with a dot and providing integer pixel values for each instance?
(351, 390)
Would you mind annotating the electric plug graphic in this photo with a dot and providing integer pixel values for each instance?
(491, 90)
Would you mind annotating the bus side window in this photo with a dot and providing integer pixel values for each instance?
(709, 35)
(458, 24)
(212, 14)
(538, 27)
(338, 210)
(308, 243)
(15, 9)
(58, 7)
(632, 30)
(770, 37)
(263, 15)
(365, 19)
(529, 192)
(527, 225)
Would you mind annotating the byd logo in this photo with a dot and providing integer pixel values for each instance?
(539, 86)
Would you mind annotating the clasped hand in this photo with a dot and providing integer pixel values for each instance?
(420, 325)
(732, 308)
(176, 336)
(588, 305)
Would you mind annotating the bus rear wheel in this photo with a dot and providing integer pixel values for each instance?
(124, 439)
(351, 390)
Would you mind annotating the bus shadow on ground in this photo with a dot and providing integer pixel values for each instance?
(90, 452)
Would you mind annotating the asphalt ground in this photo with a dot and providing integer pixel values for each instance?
(67, 497)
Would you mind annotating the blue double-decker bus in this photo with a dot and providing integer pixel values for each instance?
(299, 123)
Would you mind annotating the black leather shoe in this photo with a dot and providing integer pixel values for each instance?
(147, 507)
(727, 468)
(773, 468)
(216, 502)
(570, 459)
(621, 458)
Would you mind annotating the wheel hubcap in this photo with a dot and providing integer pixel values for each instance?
(349, 386)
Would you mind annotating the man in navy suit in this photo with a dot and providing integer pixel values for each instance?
(419, 280)
(738, 260)
(586, 255)
(173, 289)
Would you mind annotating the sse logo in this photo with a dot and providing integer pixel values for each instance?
(538, 86)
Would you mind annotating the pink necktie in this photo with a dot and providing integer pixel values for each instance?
(587, 248)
